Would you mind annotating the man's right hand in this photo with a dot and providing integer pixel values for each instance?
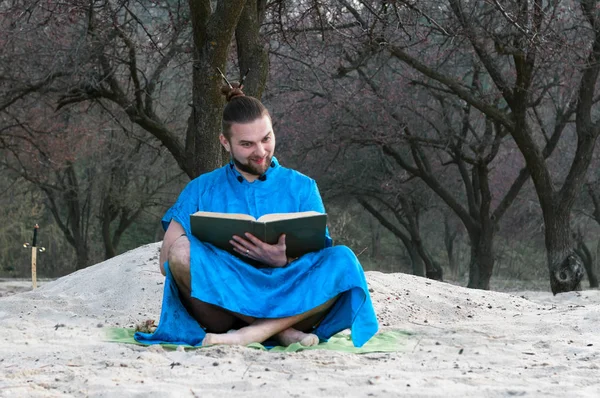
(254, 248)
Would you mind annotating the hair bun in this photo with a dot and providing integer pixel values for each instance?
(233, 91)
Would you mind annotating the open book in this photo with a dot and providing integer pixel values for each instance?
(305, 231)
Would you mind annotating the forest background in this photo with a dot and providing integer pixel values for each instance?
(450, 139)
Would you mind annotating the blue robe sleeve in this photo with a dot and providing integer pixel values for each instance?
(314, 202)
(187, 203)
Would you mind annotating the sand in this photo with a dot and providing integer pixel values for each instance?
(464, 343)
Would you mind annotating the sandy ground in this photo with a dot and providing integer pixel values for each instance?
(465, 343)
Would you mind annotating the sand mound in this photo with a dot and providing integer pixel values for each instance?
(464, 343)
(128, 287)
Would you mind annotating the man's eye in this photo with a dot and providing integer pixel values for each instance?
(246, 145)
(266, 139)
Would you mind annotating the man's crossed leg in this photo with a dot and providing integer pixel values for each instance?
(217, 321)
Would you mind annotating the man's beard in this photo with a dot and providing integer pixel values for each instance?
(251, 168)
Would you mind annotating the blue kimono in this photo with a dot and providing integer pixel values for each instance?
(222, 279)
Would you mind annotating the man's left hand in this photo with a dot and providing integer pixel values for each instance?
(254, 248)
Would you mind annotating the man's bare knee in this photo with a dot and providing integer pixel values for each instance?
(179, 259)
(179, 252)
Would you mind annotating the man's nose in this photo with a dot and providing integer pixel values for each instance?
(260, 150)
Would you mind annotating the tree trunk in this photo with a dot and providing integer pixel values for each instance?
(589, 269)
(252, 54)
(595, 201)
(432, 268)
(449, 239)
(204, 124)
(417, 261)
(411, 213)
(212, 37)
(587, 257)
(82, 253)
(109, 249)
(482, 259)
(418, 267)
(106, 217)
(375, 239)
(565, 266)
(597, 259)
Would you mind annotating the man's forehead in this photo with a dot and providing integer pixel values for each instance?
(252, 131)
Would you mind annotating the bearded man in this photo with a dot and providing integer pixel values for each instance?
(214, 297)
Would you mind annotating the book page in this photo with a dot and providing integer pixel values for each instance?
(287, 216)
(230, 216)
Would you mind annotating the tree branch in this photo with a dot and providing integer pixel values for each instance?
(461, 91)
(485, 58)
(382, 219)
(460, 211)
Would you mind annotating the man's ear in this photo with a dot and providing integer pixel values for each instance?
(225, 142)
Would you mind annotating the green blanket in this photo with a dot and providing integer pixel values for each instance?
(389, 341)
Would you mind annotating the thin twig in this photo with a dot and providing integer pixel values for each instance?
(248, 368)
(416, 345)
(363, 250)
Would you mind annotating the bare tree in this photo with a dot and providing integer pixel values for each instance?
(149, 60)
(420, 125)
(406, 228)
(95, 183)
(151, 65)
(530, 53)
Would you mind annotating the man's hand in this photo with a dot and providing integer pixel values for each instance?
(254, 248)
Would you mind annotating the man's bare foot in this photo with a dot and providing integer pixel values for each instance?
(291, 336)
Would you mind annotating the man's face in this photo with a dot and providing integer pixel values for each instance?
(251, 145)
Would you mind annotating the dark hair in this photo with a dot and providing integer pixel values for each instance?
(240, 108)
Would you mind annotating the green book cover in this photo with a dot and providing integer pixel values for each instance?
(305, 231)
